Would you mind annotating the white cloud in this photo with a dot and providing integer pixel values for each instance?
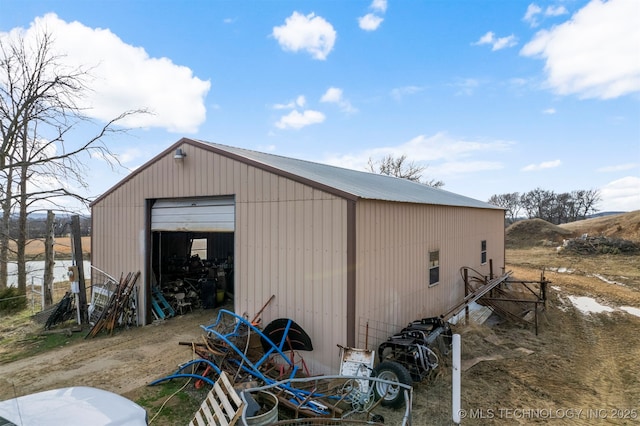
(555, 11)
(442, 146)
(466, 86)
(379, 5)
(533, 12)
(497, 43)
(309, 33)
(124, 77)
(297, 120)
(503, 42)
(487, 38)
(595, 53)
(530, 16)
(334, 95)
(621, 195)
(442, 154)
(130, 155)
(401, 92)
(542, 166)
(370, 22)
(549, 111)
(618, 168)
(300, 101)
(133, 156)
(459, 168)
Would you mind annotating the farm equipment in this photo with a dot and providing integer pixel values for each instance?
(408, 357)
(229, 349)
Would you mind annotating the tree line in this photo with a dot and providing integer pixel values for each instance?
(37, 227)
(548, 205)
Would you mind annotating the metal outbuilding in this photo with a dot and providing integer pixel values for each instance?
(350, 256)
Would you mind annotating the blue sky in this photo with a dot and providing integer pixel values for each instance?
(492, 97)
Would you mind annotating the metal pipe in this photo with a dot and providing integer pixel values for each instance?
(455, 379)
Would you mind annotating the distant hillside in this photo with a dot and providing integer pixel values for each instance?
(624, 225)
(600, 214)
(536, 232)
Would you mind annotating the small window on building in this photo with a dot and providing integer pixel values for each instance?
(434, 267)
(483, 252)
(199, 247)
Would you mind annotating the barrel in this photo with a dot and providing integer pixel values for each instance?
(268, 412)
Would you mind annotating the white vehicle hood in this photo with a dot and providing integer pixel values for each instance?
(73, 406)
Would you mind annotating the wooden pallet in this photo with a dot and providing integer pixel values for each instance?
(222, 406)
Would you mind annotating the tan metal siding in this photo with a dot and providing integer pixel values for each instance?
(393, 244)
(290, 240)
(278, 246)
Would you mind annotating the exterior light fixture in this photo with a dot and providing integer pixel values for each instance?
(179, 155)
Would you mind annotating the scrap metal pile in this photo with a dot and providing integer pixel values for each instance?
(587, 244)
(61, 311)
(120, 308)
(257, 358)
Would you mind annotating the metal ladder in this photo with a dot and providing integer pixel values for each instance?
(161, 308)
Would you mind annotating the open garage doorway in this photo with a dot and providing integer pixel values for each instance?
(192, 254)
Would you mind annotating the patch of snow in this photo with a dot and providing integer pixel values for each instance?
(523, 350)
(601, 278)
(562, 270)
(631, 310)
(460, 316)
(589, 305)
(555, 287)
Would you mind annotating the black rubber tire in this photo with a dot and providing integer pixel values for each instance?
(392, 396)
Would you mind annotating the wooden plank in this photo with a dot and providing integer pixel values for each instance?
(198, 420)
(222, 405)
(218, 410)
(224, 401)
(232, 392)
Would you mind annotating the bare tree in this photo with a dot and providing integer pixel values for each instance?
(549, 206)
(537, 203)
(509, 202)
(398, 167)
(38, 113)
(586, 202)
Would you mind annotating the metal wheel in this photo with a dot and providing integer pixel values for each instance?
(359, 394)
(392, 395)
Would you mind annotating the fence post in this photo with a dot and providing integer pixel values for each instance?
(76, 248)
(49, 253)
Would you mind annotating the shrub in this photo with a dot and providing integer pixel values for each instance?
(11, 300)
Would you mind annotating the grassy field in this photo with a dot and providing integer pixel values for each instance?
(34, 249)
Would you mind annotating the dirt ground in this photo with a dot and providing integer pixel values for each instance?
(581, 368)
(120, 363)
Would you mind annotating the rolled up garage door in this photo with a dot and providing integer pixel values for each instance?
(194, 215)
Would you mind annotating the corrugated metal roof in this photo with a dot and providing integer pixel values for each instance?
(360, 184)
